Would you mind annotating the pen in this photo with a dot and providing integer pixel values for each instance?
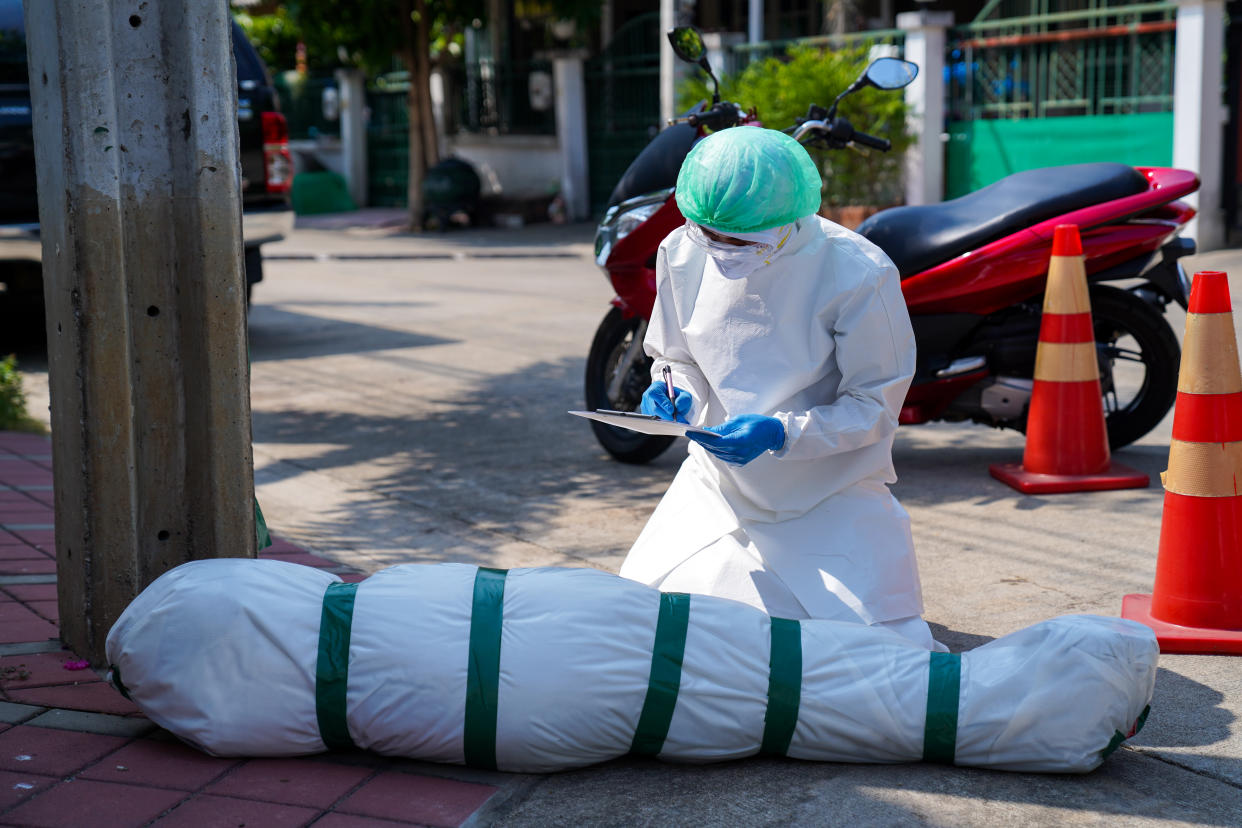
(668, 388)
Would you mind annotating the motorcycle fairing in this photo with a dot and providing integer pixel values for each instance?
(656, 167)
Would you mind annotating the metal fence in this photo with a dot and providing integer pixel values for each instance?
(301, 101)
(747, 53)
(501, 99)
(623, 103)
(1091, 61)
(388, 142)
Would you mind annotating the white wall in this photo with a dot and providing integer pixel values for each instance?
(514, 166)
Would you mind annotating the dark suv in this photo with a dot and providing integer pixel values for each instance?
(266, 166)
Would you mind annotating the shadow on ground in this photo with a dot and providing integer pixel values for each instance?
(505, 458)
(950, 463)
(778, 792)
(277, 334)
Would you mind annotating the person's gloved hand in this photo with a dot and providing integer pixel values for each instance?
(743, 438)
(655, 402)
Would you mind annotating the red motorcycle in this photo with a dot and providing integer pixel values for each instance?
(973, 271)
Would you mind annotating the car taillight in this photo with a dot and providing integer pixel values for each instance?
(277, 162)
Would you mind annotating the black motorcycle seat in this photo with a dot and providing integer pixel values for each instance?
(919, 238)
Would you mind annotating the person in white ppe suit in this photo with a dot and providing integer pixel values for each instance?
(787, 336)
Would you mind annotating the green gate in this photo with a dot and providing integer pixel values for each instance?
(388, 143)
(1041, 87)
(623, 103)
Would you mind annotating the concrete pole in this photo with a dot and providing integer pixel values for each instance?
(571, 134)
(754, 21)
(672, 68)
(607, 17)
(925, 43)
(668, 63)
(720, 53)
(135, 123)
(352, 83)
(1198, 116)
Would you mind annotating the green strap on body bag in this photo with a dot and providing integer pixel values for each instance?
(664, 680)
(784, 686)
(944, 679)
(332, 668)
(483, 673)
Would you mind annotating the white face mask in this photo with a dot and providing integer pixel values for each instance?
(739, 261)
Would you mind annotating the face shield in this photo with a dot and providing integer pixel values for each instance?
(737, 261)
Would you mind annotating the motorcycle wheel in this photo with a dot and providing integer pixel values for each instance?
(614, 336)
(1139, 359)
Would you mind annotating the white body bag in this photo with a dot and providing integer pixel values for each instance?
(547, 669)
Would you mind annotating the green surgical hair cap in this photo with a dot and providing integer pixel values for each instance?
(746, 179)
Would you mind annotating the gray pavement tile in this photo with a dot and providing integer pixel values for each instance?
(30, 647)
(38, 578)
(13, 713)
(103, 724)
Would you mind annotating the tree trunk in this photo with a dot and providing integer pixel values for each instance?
(419, 85)
(422, 56)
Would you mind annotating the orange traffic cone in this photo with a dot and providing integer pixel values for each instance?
(1066, 438)
(1196, 605)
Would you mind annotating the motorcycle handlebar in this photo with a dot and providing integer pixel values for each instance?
(881, 144)
(720, 116)
(839, 132)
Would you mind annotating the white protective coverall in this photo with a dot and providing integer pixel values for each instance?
(820, 339)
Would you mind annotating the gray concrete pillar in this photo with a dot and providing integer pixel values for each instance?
(571, 134)
(1198, 114)
(353, 103)
(672, 69)
(135, 122)
(668, 63)
(925, 44)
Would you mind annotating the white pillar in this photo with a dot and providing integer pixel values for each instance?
(672, 68)
(354, 132)
(439, 91)
(1198, 115)
(754, 20)
(925, 43)
(668, 63)
(571, 134)
(606, 23)
(720, 52)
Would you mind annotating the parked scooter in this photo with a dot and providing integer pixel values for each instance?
(973, 271)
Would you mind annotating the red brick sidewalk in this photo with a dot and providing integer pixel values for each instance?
(74, 752)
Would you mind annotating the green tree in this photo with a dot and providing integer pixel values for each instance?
(782, 89)
(13, 414)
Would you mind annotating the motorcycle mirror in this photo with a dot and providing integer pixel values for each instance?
(688, 45)
(883, 73)
(891, 73)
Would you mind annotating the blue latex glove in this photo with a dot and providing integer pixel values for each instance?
(743, 438)
(655, 402)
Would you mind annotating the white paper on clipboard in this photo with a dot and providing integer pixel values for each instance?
(643, 423)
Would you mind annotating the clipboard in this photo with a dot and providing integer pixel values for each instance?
(643, 423)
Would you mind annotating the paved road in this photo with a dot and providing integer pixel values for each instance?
(409, 400)
(412, 410)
